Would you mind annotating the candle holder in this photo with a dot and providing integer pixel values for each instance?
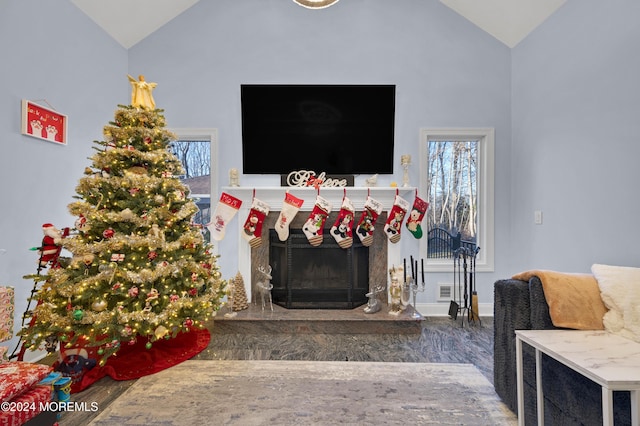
(415, 289)
(405, 162)
(234, 177)
(411, 283)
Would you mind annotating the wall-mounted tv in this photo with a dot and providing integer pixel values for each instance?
(337, 129)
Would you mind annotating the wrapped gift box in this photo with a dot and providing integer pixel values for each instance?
(6, 313)
(6, 318)
(34, 398)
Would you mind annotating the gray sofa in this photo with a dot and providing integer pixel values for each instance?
(570, 398)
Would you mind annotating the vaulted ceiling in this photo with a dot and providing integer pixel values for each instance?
(509, 21)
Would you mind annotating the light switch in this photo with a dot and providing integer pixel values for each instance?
(538, 217)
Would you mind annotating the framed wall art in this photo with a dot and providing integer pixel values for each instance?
(43, 123)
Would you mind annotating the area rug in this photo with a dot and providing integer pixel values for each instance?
(309, 392)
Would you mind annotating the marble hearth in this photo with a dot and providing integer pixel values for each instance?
(382, 253)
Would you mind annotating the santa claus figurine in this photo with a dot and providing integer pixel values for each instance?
(51, 245)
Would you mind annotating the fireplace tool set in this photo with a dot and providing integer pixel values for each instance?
(465, 297)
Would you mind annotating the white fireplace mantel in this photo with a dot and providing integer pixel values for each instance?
(274, 197)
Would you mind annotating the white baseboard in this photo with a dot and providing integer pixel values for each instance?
(442, 309)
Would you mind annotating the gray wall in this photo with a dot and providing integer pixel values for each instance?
(448, 73)
(563, 103)
(575, 145)
(50, 51)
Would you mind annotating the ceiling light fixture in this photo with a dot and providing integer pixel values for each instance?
(315, 4)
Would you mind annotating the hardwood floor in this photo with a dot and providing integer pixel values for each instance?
(432, 339)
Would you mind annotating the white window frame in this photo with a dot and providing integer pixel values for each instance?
(211, 135)
(486, 188)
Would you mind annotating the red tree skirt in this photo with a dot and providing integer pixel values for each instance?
(135, 361)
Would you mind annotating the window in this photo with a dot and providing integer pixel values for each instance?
(197, 150)
(456, 178)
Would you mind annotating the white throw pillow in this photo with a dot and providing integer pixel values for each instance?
(620, 289)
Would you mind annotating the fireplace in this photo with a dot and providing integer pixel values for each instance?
(322, 277)
(368, 273)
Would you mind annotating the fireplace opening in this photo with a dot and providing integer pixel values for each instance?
(322, 277)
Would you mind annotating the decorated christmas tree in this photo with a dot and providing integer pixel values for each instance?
(140, 268)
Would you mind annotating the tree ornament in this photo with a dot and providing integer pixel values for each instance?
(290, 208)
(314, 226)
(148, 345)
(99, 305)
(82, 225)
(87, 259)
(108, 233)
(78, 314)
(160, 331)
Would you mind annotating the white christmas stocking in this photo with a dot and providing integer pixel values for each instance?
(290, 209)
(226, 209)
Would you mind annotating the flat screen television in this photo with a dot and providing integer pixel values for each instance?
(336, 129)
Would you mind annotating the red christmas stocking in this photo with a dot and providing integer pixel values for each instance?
(225, 211)
(314, 225)
(252, 230)
(415, 216)
(394, 221)
(342, 229)
(365, 227)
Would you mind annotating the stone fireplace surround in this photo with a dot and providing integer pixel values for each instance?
(382, 254)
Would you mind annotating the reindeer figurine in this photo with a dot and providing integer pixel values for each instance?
(263, 287)
(373, 305)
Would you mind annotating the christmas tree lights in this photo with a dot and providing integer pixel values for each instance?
(140, 269)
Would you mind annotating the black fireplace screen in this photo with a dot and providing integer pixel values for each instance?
(322, 277)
